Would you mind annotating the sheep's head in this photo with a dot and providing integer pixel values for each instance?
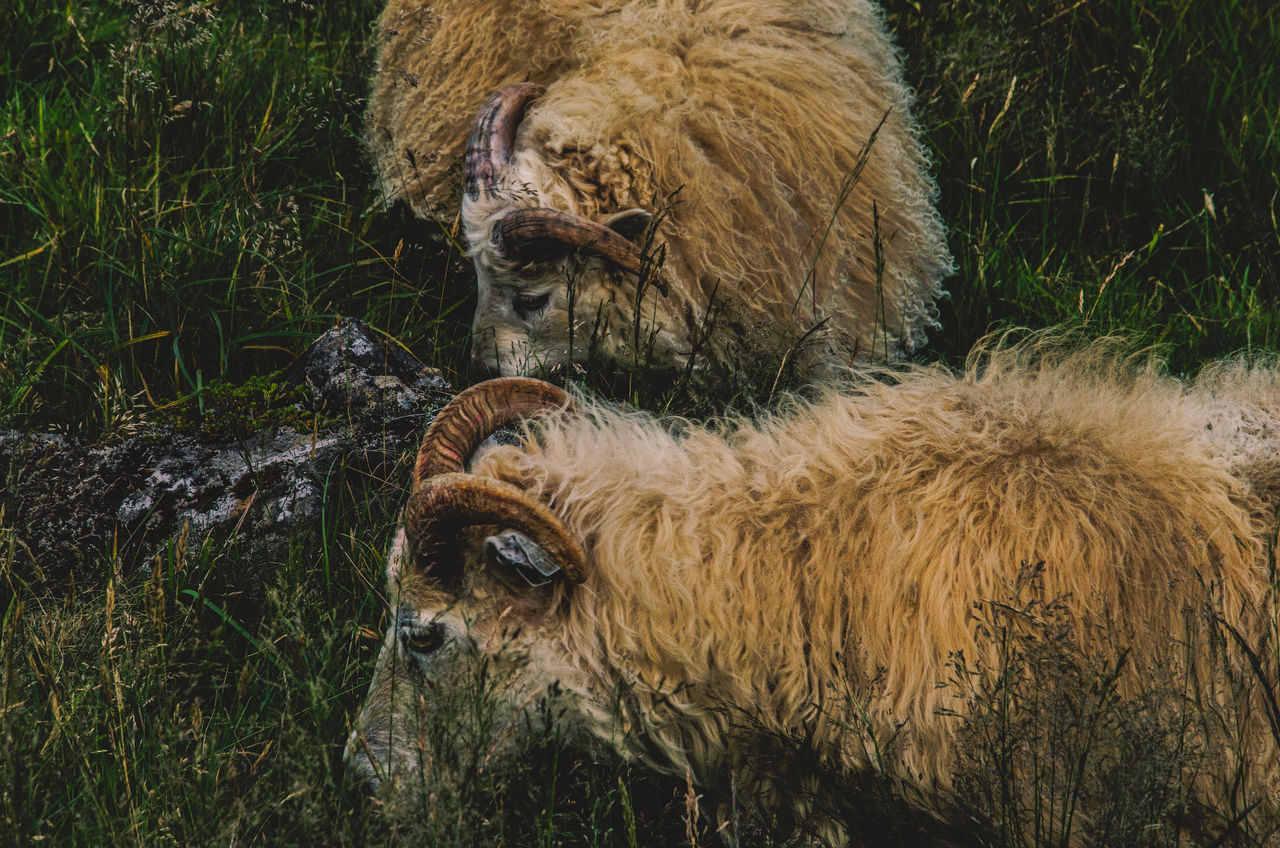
(466, 605)
(552, 284)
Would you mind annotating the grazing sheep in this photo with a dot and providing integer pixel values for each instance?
(770, 144)
(703, 588)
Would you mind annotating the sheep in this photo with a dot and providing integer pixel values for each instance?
(763, 150)
(662, 582)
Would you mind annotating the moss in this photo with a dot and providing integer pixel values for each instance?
(238, 410)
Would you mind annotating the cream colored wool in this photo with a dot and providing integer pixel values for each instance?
(1240, 403)
(752, 570)
(755, 112)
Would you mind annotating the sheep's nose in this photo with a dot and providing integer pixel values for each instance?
(358, 766)
(361, 776)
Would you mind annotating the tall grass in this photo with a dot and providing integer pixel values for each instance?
(182, 707)
(184, 199)
(1114, 165)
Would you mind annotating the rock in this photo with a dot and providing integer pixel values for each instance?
(353, 373)
(69, 508)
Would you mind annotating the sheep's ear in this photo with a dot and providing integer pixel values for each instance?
(512, 551)
(630, 224)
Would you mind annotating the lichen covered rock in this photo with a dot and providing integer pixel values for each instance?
(251, 467)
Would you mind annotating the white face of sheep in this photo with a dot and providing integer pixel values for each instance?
(472, 646)
(538, 315)
(552, 285)
(460, 674)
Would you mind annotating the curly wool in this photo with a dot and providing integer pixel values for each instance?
(842, 545)
(751, 114)
(1240, 406)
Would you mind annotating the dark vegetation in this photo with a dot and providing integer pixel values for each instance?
(184, 205)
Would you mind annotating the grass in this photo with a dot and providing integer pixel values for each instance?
(184, 204)
(184, 198)
(1114, 165)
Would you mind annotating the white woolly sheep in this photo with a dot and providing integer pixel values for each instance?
(772, 140)
(839, 546)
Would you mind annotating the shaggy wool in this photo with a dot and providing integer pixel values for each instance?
(842, 545)
(776, 138)
(815, 574)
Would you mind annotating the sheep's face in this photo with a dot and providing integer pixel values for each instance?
(557, 281)
(523, 322)
(561, 306)
(464, 671)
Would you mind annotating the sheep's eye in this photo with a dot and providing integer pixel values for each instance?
(527, 304)
(422, 640)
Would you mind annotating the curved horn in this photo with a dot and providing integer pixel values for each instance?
(493, 135)
(521, 235)
(473, 415)
(448, 502)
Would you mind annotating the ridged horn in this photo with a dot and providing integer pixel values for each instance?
(449, 502)
(474, 414)
(493, 136)
(522, 236)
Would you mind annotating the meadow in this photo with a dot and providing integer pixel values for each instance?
(185, 203)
